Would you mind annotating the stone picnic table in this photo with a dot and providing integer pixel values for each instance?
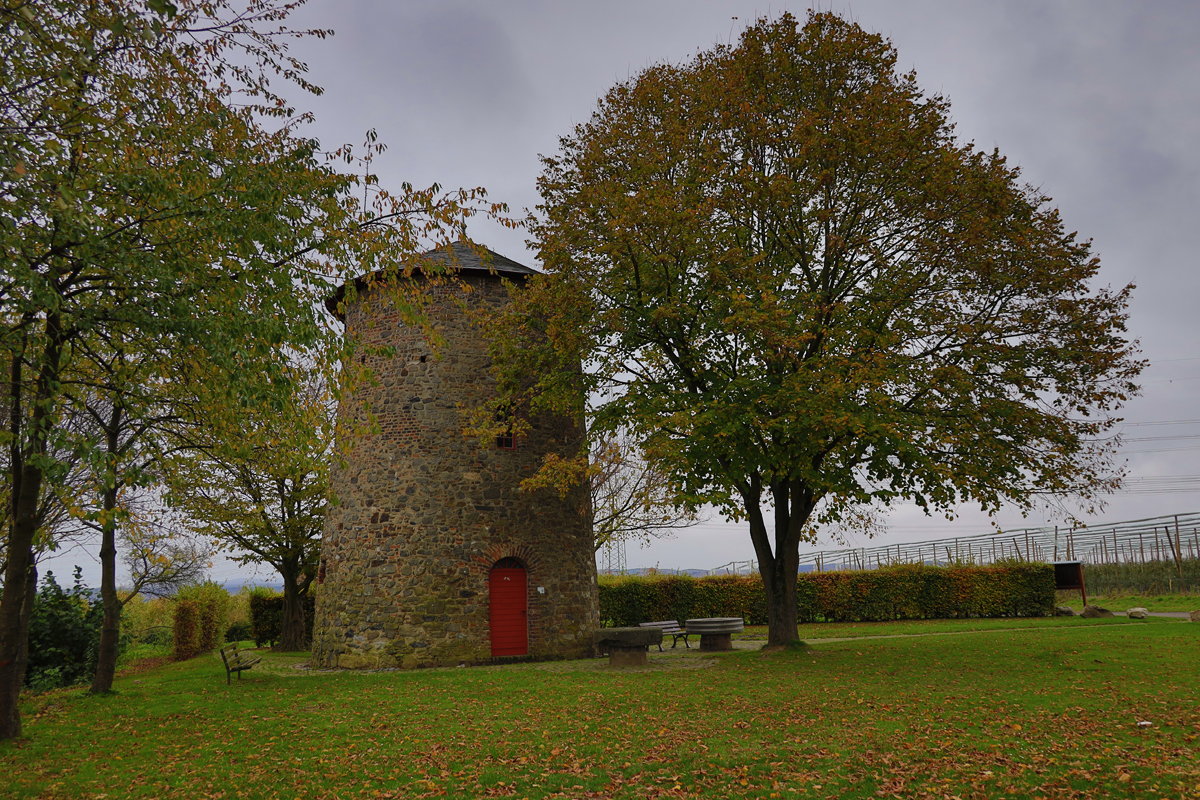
(716, 633)
(626, 647)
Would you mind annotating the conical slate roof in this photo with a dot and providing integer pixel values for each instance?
(460, 256)
(467, 259)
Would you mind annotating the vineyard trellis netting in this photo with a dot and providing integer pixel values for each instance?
(1148, 578)
(1141, 553)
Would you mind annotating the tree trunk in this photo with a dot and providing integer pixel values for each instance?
(779, 565)
(780, 585)
(14, 617)
(110, 631)
(292, 635)
(26, 614)
(25, 484)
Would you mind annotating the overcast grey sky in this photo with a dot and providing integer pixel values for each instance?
(1096, 101)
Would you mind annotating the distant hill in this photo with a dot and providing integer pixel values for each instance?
(695, 573)
(234, 585)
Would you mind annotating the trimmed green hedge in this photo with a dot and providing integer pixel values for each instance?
(185, 630)
(629, 600)
(266, 616)
(201, 615)
(902, 592)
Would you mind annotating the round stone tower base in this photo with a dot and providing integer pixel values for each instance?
(434, 555)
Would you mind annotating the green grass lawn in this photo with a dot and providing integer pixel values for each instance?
(1047, 711)
(1121, 602)
(837, 630)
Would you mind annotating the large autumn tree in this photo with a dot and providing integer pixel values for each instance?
(157, 197)
(783, 272)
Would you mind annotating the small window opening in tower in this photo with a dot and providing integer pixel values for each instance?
(506, 440)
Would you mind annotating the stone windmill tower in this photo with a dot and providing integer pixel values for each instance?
(433, 556)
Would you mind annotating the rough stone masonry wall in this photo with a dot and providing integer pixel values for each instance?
(423, 512)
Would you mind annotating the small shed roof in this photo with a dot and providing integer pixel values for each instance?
(458, 256)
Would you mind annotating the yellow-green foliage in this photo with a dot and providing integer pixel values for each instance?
(239, 609)
(211, 605)
(184, 629)
(903, 592)
(148, 620)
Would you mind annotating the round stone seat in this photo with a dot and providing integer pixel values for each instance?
(716, 633)
(626, 646)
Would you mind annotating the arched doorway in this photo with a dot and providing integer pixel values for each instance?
(507, 587)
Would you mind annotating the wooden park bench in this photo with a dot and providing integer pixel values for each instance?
(236, 662)
(670, 628)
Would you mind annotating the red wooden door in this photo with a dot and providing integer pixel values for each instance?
(508, 600)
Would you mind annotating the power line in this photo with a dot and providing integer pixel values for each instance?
(1162, 438)
(1161, 484)
(1176, 380)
